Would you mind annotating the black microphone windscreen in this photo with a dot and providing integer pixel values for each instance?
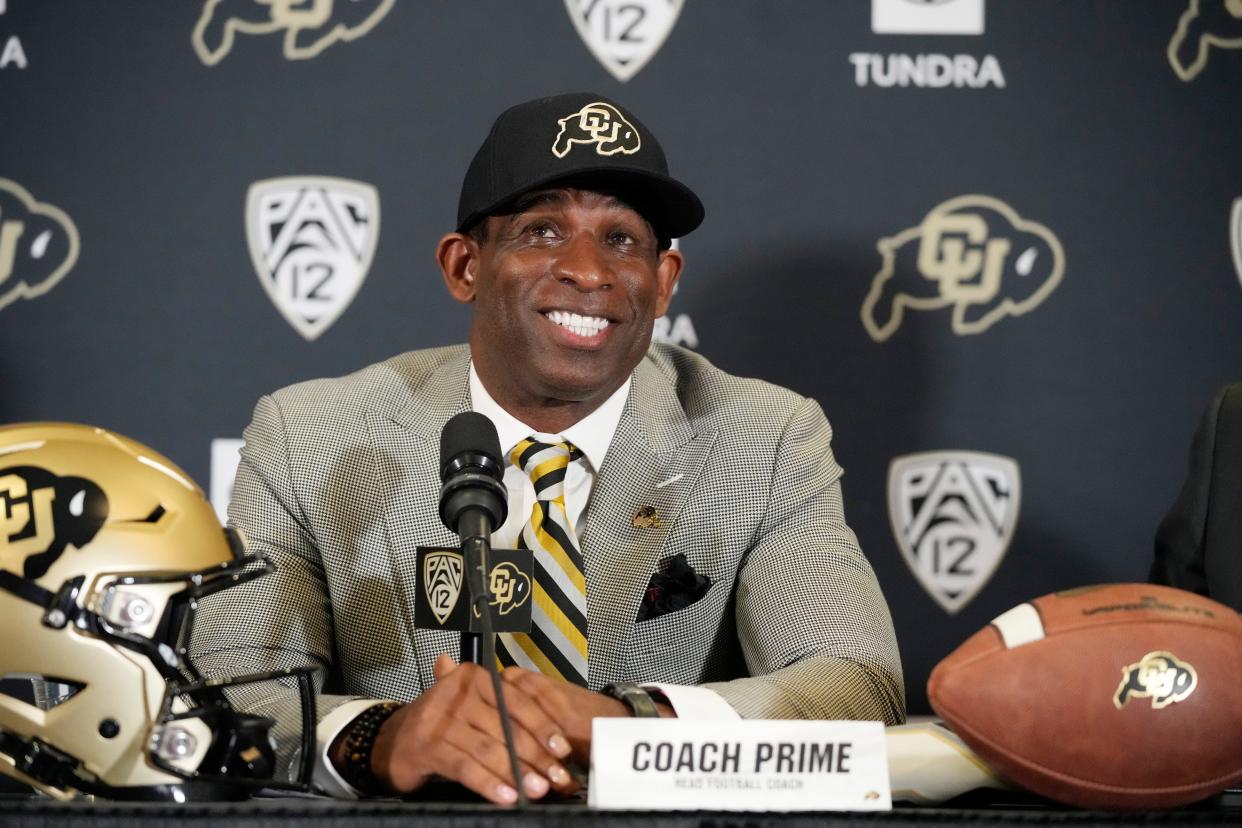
(470, 432)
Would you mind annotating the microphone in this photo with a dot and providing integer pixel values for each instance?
(473, 500)
(473, 503)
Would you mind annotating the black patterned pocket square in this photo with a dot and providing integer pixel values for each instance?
(673, 587)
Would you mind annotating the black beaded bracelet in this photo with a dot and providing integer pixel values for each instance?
(359, 738)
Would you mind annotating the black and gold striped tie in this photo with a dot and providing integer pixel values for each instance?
(557, 642)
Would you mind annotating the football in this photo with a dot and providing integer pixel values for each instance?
(1119, 697)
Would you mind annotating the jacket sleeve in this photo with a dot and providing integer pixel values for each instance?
(280, 620)
(811, 619)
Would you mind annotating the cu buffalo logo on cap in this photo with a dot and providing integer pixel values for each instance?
(309, 26)
(599, 125)
(1158, 676)
(953, 514)
(312, 239)
(973, 254)
(1204, 24)
(38, 244)
(42, 514)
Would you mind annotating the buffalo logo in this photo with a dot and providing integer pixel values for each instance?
(1204, 24)
(623, 34)
(38, 244)
(509, 586)
(599, 124)
(1235, 235)
(311, 241)
(442, 574)
(973, 253)
(1158, 676)
(41, 514)
(310, 26)
(953, 514)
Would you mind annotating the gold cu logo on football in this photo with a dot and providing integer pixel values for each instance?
(38, 244)
(1158, 676)
(974, 254)
(309, 26)
(1204, 24)
(599, 124)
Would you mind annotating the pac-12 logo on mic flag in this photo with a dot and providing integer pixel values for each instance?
(624, 34)
(953, 515)
(311, 240)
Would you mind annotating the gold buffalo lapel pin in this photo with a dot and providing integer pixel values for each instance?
(646, 517)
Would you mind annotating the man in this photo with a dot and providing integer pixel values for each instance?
(687, 524)
(1199, 542)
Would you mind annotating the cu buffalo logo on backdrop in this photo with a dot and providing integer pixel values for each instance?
(309, 26)
(1204, 24)
(623, 34)
(973, 254)
(1158, 676)
(41, 514)
(599, 126)
(312, 239)
(38, 244)
(953, 515)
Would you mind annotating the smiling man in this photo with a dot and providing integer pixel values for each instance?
(691, 553)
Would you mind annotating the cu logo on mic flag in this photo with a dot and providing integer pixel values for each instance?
(953, 515)
(311, 240)
(444, 594)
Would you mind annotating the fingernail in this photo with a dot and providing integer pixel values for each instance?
(506, 794)
(535, 784)
(558, 775)
(558, 745)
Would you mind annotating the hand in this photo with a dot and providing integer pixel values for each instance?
(572, 707)
(453, 730)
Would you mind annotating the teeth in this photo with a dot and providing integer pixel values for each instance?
(581, 325)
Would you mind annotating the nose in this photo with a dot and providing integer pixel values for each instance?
(581, 263)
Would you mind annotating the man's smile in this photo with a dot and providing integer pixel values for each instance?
(586, 329)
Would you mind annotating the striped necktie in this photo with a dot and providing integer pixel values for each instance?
(557, 643)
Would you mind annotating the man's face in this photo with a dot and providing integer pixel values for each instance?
(566, 290)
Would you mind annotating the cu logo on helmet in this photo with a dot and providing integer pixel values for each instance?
(1158, 676)
(599, 124)
(41, 514)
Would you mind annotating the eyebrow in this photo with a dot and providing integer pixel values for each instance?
(556, 197)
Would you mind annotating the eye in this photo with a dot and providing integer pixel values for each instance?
(540, 230)
(622, 238)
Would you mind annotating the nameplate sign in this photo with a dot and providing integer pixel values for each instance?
(742, 765)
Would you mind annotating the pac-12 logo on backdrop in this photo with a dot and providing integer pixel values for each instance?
(308, 26)
(624, 34)
(311, 240)
(953, 515)
(38, 244)
(973, 254)
(1204, 24)
(927, 17)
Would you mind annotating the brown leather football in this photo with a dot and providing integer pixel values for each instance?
(1120, 696)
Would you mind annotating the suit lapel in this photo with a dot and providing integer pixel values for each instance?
(407, 454)
(652, 463)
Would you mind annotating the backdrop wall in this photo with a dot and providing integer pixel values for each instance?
(993, 241)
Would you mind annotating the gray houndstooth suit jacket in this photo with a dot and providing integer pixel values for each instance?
(338, 484)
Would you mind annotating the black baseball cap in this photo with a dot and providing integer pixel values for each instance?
(580, 138)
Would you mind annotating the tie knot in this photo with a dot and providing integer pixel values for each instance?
(544, 464)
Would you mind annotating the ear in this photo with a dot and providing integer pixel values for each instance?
(458, 255)
(668, 271)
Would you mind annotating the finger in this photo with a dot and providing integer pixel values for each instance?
(528, 708)
(554, 702)
(459, 766)
(443, 666)
(488, 751)
(529, 726)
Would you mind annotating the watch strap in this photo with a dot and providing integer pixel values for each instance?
(637, 699)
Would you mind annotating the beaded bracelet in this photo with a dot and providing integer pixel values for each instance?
(359, 739)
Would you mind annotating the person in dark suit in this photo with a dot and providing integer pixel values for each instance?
(1199, 542)
(695, 560)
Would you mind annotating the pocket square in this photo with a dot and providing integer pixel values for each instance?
(673, 587)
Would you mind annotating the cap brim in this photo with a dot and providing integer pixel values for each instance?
(671, 207)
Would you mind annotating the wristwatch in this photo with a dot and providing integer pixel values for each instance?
(637, 699)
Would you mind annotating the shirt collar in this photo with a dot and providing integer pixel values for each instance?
(592, 434)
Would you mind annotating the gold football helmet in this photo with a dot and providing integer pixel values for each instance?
(105, 549)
